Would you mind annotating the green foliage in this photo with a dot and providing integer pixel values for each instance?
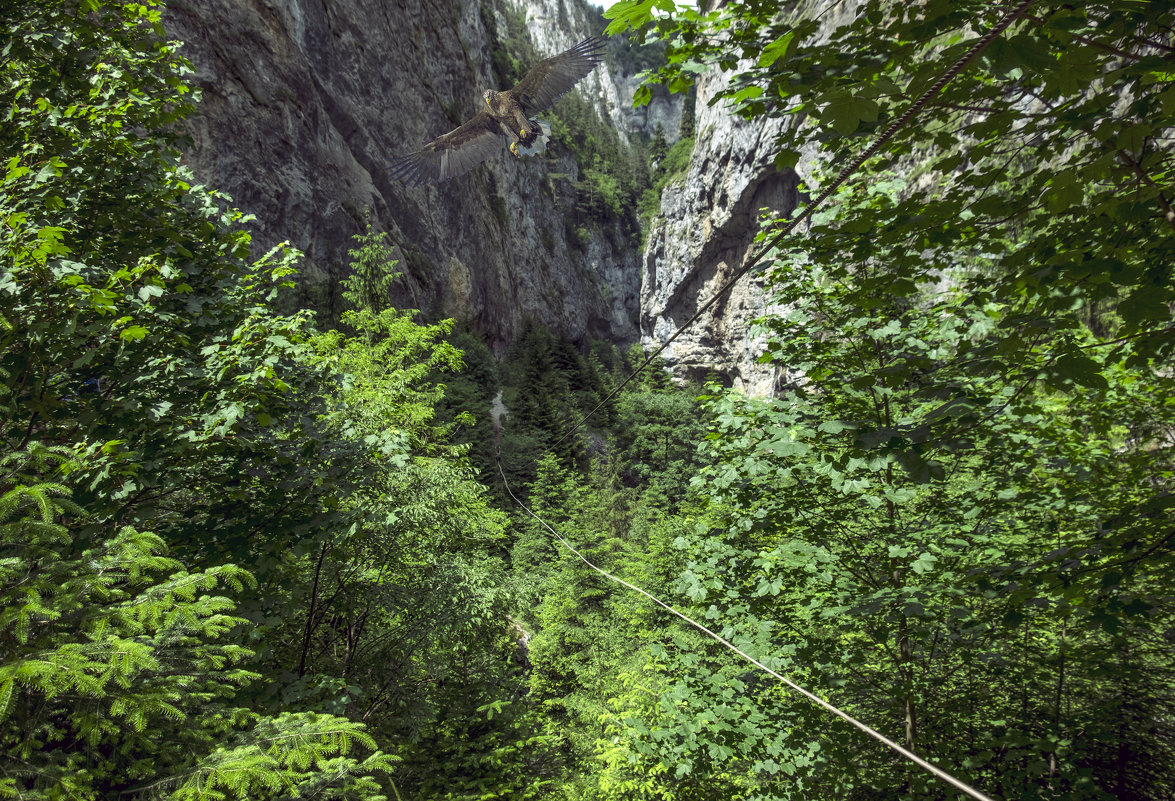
(384, 398)
(372, 272)
(143, 327)
(407, 585)
(511, 53)
(670, 169)
(633, 57)
(139, 340)
(469, 393)
(956, 521)
(1045, 192)
(587, 635)
(656, 436)
(119, 672)
(618, 502)
(600, 192)
(549, 386)
(611, 174)
(938, 548)
(658, 147)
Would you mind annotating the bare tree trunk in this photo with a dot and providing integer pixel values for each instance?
(906, 672)
(1058, 699)
(311, 612)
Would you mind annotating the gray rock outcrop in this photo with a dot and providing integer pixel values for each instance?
(555, 25)
(700, 239)
(305, 100)
(705, 228)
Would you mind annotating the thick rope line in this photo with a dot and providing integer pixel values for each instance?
(844, 175)
(910, 755)
(1009, 18)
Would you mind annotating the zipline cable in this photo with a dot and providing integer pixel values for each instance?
(844, 175)
(1009, 18)
(905, 752)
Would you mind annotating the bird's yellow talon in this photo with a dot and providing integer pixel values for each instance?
(522, 133)
(514, 149)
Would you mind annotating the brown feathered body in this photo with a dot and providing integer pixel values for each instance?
(506, 109)
(506, 120)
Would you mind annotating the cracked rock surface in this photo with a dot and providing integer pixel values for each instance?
(304, 102)
(700, 239)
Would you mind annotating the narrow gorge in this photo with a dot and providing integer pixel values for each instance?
(304, 101)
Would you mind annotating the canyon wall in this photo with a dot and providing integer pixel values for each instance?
(703, 232)
(700, 238)
(304, 102)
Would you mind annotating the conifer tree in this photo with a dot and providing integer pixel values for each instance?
(142, 371)
(119, 668)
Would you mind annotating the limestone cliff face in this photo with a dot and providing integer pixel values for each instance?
(305, 100)
(706, 224)
(708, 219)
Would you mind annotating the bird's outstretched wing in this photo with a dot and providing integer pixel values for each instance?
(450, 155)
(552, 78)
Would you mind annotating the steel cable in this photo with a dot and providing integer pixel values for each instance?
(1012, 15)
(905, 752)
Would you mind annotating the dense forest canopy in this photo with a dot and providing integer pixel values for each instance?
(250, 554)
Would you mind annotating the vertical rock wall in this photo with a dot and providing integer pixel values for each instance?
(304, 101)
(555, 25)
(706, 225)
(707, 222)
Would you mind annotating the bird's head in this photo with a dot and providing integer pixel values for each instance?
(487, 94)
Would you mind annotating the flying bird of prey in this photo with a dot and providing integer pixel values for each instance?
(506, 118)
